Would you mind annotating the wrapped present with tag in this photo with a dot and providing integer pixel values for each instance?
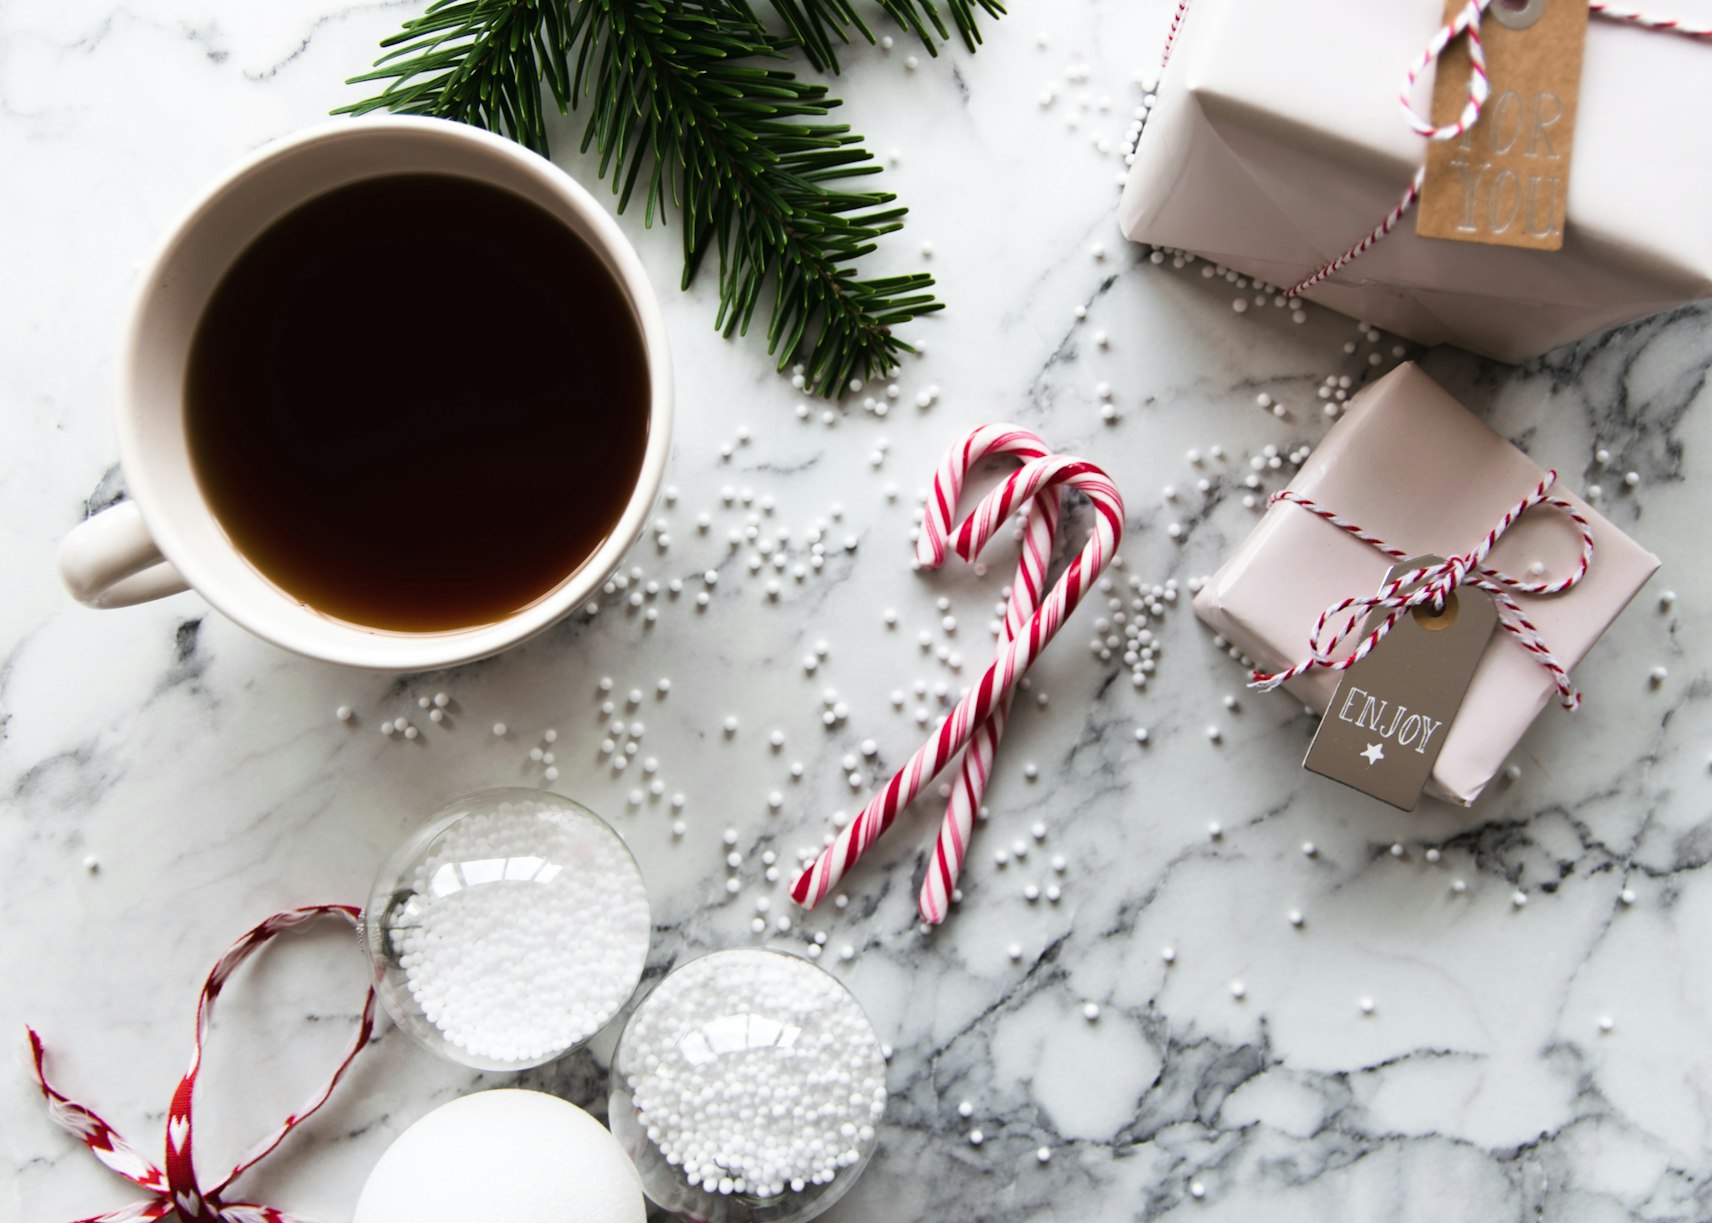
(1559, 185)
(1427, 587)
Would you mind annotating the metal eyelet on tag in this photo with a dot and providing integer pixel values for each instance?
(1517, 14)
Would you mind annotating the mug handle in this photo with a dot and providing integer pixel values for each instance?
(110, 560)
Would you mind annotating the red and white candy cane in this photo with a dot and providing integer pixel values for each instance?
(1014, 658)
(1434, 583)
(1026, 588)
(177, 1188)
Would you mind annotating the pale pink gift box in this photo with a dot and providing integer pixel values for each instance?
(1277, 142)
(1411, 465)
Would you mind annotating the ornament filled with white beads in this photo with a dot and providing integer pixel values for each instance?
(747, 1088)
(509, 930)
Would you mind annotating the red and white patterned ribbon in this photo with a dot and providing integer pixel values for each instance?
(1015, 656)
(1026, 588)
(1433, 584)
(177, 1187)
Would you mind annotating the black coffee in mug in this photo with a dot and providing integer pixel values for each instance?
(417, 403)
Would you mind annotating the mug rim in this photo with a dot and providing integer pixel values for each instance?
(354, 644)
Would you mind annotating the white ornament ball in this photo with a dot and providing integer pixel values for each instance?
(503, 1156)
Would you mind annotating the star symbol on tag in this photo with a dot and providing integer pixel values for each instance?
(1374, 753)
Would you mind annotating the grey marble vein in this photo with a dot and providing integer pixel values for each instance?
(166, 780)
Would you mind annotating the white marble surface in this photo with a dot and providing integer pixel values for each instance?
(205, 772)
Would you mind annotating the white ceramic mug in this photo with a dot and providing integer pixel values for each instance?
(165, 539)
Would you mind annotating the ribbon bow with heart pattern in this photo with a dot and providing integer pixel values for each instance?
(177, 1187)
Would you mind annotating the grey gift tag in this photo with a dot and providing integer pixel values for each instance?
(1388, 720)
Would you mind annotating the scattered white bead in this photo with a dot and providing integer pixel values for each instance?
(1090, 1011)
(343, 713)
(1238, 990)
(1366, 1005)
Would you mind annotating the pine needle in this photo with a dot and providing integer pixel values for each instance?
(686, 106)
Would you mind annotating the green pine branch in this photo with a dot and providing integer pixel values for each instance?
(814, 24)
(683, 104)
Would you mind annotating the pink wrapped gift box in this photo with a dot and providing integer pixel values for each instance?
(1413, 466)
(1276, 143)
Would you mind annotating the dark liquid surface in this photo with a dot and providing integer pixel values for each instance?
(417, 403)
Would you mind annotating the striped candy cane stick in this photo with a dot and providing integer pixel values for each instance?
(1026, 588)
(1014, 658)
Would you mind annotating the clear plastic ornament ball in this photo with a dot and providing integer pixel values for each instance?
(509, 930)
(748, 1088)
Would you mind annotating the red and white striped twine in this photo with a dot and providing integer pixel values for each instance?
(177, 1187)
(1670, 25)
(1039, 477)
(1466, 24)
(1171, 37)
(1433, 584)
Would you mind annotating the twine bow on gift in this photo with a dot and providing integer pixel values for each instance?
(177, 1188)
(1433, 585)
